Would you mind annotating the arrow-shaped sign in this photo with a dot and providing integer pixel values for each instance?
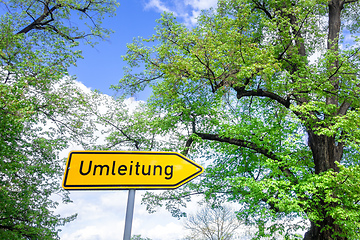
(107, 170)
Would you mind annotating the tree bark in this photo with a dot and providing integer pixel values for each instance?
(326, 151)
(320, 231)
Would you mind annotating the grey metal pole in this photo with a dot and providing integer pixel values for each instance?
(129, 214)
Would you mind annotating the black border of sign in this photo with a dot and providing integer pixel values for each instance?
(129, 186)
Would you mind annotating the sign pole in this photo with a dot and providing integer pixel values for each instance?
(129, 214)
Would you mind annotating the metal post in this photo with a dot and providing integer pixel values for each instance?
(129, 214)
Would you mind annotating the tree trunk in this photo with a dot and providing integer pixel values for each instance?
(320, 231)
(325, 152)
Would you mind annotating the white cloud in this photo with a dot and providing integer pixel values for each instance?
(186, 11)
(168, 231)
(158, 5)
(201, 4)
(101, 216)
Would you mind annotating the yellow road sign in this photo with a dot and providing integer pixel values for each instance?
(106, 170)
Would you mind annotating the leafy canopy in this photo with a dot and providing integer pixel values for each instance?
(40, 109)
(267, 93)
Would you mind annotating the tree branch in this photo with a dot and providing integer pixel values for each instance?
(350, 1)
(252, 146)
(187, 146)
(38, 22)
(261, 93)
(262, 8)
(343, 108)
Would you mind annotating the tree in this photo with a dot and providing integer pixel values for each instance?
(138, 237)
(268, 92)
(125, 122)
(40, 108)
(209, 223)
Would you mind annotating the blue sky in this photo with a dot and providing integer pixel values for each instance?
(102, 65)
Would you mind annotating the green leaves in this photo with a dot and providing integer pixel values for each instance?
(40, 109)
(267, 95)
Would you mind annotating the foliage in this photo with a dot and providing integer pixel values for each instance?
(127, 125)
(138, 237)
(40, 108)
(267, 93)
